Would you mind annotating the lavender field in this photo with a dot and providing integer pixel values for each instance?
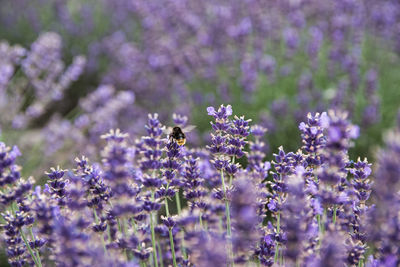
(294, 159)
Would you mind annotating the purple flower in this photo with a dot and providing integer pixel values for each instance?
(339, 130)
(168, 221)
(313, 138)
(179, 120)
(244, 216)
(98, 193)
(239, 130)
(15, 248)
(172, 163)
(222, 113)
(209, 250)
(332, 250)
(151, 145)
(14, 187)
(383, 218)
(57, 185)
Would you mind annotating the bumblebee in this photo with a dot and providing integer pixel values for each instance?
(177, 134)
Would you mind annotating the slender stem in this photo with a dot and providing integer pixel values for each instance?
(166, 207)
(319, 223)
(230, 176)
(221, 225)
(124, 233)
(13, 208)
(119, 226)
(320, 230)
(278, 223)
(153, 235)
(227, 211)
(334, 214)
(178, 202)
(278, 228)
(109, 233)
(36, 250)
(201, 221)
(183, 246)
(171, 239)
(29, 248)
(228, 219)
(160, 253)
(134, 227)
(117, 219)
(141, 263)
(101, 234)
(276, 252)
(178, 207)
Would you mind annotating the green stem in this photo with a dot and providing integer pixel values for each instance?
(228, 219)
(171, 239)
(96, 219)
(227, 211)
(178, 207)
(183, 246)
(29, 248)
(13, 209)
(141, 263)
(278, 228)
(230, 176)
(178, 202)
(118, 222)
(166, 207)
(320, 230)
(160, 253)
(319, 223)
(109, 233)
(221, 225)
(153, 235)
(334, 214)
(119, 226)
(36, 250)
(201, 221)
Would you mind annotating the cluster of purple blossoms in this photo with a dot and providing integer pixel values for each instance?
(44, 75)
(13, 186)
(313, 208)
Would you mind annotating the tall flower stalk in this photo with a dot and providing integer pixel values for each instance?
(172, 167)
(150, 149)
(219, 149)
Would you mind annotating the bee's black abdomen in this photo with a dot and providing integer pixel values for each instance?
(180, 136)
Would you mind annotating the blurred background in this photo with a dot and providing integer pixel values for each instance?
(70, 70)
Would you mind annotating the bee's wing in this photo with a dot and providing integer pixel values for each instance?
(168, 130)
(188, 128)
